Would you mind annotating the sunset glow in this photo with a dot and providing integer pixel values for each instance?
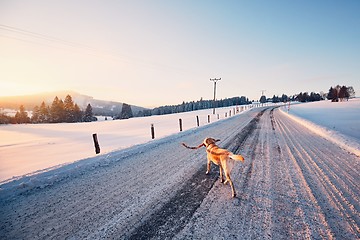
(129, 50)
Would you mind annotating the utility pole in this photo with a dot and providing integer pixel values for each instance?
(215, 81)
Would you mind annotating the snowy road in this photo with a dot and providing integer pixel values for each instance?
(293, 184)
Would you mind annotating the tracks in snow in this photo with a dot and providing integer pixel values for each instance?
(294, 185)
(330, 179)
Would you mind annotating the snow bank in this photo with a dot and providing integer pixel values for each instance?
(336, 122)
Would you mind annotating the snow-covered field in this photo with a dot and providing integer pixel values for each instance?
(342, 117)
(338, 122)
(29, 148)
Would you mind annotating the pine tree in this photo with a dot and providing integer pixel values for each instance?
(343, 93)
(330, 95)
(36, 114)
(284, 98)
(88, 116)
(56, 111)
(61, 111)
(336, 91)
(78, 114)
(69, 109)
(126, 112)
(44, 115)
(21, 116)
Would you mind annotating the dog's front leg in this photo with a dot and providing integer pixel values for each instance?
(221, 173)
(208, 166)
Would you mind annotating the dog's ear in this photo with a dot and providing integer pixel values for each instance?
(217, 140)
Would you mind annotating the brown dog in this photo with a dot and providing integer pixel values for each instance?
(219, 157)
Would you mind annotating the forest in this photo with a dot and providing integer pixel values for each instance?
(67, 111)
(59, 111)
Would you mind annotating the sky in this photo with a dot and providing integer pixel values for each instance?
(158, 52)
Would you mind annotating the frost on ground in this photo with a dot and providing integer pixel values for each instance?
(294, 184)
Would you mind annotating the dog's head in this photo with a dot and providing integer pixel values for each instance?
(209, 141)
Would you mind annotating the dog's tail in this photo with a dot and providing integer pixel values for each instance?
(201, 145)
(236, 157)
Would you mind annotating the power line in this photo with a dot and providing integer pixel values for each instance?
(43, 37)
(54, 42)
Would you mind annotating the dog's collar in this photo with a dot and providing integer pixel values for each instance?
(211, 145)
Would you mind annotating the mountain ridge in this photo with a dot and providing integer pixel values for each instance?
(100, 107)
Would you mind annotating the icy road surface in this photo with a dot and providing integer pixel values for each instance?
(293, 185)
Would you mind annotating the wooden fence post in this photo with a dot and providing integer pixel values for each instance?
(152, 131)
(197, 121)
(208, 118)
(180, 124)
(96, 143)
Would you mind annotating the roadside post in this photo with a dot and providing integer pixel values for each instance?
(180, 124)
(96, 143)
(152, 131)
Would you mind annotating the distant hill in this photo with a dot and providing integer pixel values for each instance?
(100, 107)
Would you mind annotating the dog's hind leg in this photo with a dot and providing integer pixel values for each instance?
(228, 179)
(232, 188)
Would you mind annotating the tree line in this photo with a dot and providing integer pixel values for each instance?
(301, 97)
(339, 93)
(68, 111)
(59, 111)
(193, 106)
(335, 94)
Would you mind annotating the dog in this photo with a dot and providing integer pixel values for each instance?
(220, 157)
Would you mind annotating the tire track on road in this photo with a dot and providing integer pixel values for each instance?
(172, 217)
(339, 217)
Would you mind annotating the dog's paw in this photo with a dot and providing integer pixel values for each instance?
(236, 201)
